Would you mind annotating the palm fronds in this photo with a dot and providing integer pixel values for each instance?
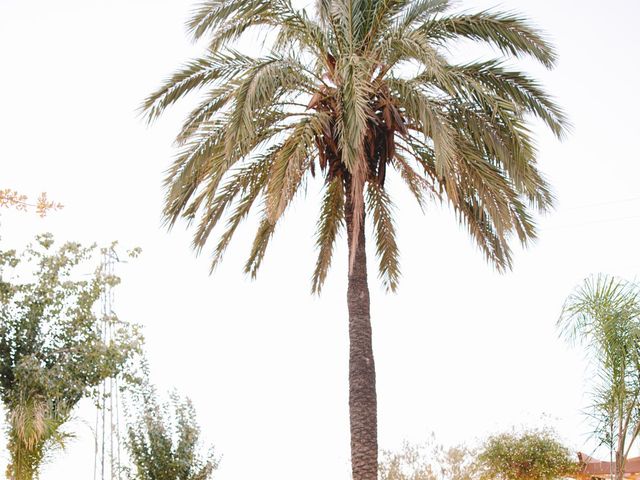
(508, 32)
(381, 210)
(329, 225)
(342, 108)
(603, 315)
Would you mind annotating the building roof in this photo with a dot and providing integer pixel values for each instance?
(598, 468)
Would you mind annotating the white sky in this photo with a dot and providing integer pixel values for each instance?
(461, 350)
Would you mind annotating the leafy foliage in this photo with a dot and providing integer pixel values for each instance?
(164, 441)
(348, 91)
(12, 199)
(603, 315)
(427, 462)
(528, 455)
(52, 350)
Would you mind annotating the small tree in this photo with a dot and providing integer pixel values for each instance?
(428, 461)
(603, 315)
(52, 351)
(164, 441)
(528, 455)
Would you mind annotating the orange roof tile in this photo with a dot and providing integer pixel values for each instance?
(597, 468)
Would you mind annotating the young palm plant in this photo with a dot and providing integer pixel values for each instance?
(603, 315)
(35, 429)
(348, 91)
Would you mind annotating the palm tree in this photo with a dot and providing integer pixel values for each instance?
(603, 314)
(348, 91)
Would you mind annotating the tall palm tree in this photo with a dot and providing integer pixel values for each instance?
(603, 315)
(348, 91)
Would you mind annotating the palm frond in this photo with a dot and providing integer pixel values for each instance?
(506, 142)
(200, 159)
(238, 214)
(495, 248)
(523, 91)
(378, 17)
(418, 12)
(296, 28)
(419, 186)
(259, 247)
(323, 11)
(248, 181)
(381, 211)
(348, 20)
(205, 160)
(432, 123)
(194, 75)
(262, 86)
(290, 164)
(236, 28)
(211, 14)
(508, 32)
(410, 46)
(495, 194)
(329, 224)
(484, 201)
(216, 100)
(467, 208)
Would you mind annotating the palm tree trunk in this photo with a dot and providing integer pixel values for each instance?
(362, 374)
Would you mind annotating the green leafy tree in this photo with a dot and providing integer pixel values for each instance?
(349, 92)
(52, 349)
(164, 441)
(527, 455)
(603, 315)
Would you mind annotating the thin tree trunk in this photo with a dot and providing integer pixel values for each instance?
(362, 374)
(619, 474)
(621, 438)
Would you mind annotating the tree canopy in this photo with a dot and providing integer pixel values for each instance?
(349, 91)
(164, 440)
(53, 350)
(429, 461)
(527, 455)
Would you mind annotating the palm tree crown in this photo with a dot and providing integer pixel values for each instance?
(347, 90)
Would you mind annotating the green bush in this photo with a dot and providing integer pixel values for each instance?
(527, 455)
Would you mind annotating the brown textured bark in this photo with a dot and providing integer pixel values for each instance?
(362, 374)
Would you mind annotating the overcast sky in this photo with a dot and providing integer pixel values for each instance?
(460, 350)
